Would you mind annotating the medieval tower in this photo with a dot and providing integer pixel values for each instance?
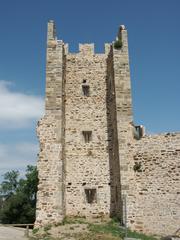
(92, 157)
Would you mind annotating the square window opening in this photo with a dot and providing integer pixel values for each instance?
(91, 195)
(139, 132)
(87, 136)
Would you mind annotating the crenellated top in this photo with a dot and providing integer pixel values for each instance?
(88, 48)
(55, 68)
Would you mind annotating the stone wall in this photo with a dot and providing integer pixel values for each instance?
(157, 184)
(49, 198)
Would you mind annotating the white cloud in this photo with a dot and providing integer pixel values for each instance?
(16, 156)
(18, 110)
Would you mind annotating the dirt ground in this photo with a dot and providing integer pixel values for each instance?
(11, 233)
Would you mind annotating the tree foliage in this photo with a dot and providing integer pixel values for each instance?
(19, 196)
(10, 183)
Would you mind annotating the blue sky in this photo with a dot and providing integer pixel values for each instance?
(154, 47)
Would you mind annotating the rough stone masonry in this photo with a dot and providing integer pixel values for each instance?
(93, 161)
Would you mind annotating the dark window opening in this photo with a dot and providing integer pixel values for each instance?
(139, 132)
(84, 81)
(85, 89)
(91, 196)
(87, 136)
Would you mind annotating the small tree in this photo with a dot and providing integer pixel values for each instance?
(118, 43)
(20, 197)
(10, 183)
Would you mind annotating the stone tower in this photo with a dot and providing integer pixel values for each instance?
(88, 105)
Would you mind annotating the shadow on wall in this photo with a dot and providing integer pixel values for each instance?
(116, 207)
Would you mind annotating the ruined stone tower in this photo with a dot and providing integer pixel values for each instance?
(79, 158)
(91, 156)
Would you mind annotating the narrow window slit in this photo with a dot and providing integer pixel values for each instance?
(85, 89)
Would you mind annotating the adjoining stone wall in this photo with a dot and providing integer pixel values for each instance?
(87, 164)
(49, 206)
(157, 181)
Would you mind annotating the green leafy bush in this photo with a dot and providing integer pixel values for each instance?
(118, 44)
(19, 197)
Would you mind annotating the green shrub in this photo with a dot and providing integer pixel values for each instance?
(35, 230)
(118, 44)
(47, 227)
(137, 167)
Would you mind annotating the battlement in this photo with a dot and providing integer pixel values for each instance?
(87, 49)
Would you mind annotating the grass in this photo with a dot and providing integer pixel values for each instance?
(107, 228)
(142, 236)
(35, 230)
(47, 227)
(96, 231)
(114, 229)
(95, 236)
